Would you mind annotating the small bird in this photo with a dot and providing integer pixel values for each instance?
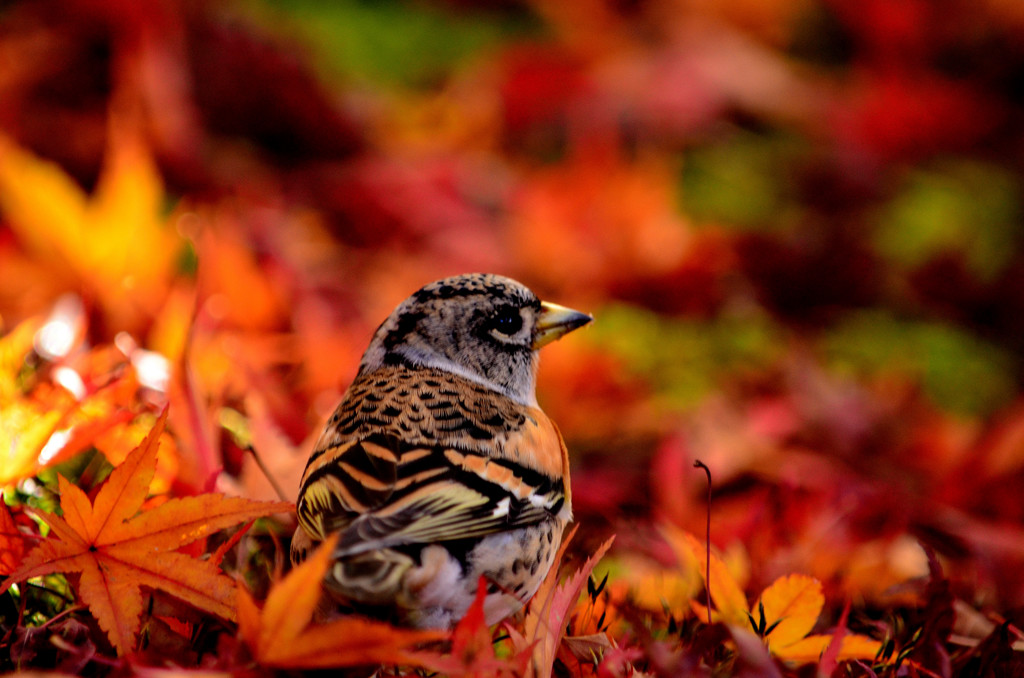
(438, 467)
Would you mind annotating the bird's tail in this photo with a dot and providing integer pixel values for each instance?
(370, 578)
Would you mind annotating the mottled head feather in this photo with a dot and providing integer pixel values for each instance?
(478, 325)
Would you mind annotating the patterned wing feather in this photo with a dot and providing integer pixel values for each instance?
(453, 503)
(354, 477)
(415, 457)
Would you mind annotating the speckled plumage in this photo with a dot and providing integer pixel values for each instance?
(438, 467)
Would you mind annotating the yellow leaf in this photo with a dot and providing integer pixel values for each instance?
(792, 604)
(811, 648)
(14, 348)
(49, 425)
(115, 243)
(726, 593)
(43, 205)
(24, 430)
(653, 586)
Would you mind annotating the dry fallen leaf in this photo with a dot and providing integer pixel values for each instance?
(783, 615)
(117, 551)
(730, 603)
(548, 613)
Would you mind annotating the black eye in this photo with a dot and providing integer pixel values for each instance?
(506, 320)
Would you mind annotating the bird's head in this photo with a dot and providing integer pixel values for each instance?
(485, 327)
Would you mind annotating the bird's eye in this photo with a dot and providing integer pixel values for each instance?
(506, 321)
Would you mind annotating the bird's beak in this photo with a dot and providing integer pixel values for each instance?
(555, 321)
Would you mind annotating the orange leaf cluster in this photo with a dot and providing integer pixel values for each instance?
(116, 550)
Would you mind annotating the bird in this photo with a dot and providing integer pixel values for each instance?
(438, 470)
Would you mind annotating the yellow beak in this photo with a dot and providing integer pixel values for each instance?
(555, 321)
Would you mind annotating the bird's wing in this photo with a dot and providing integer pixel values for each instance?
(345, 481)
(446, 494)
(448, 463)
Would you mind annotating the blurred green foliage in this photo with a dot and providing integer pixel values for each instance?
(958, 371)
(959, 206)
(686, 359)
(741, 181)
(396, 43)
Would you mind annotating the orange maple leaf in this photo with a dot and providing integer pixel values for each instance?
(49, 426)
(25, 427)
(281, 634)
(117, 551)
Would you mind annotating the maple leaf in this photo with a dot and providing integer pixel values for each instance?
(25, 426)
(115, 243)
(783, 615)
(545, 622)
(117, 552)
(281, 634)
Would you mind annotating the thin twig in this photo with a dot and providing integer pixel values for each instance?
(266, 472)
(707, 539)
(38, 587)
(66, 612)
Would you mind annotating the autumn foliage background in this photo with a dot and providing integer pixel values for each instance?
(798, 224)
